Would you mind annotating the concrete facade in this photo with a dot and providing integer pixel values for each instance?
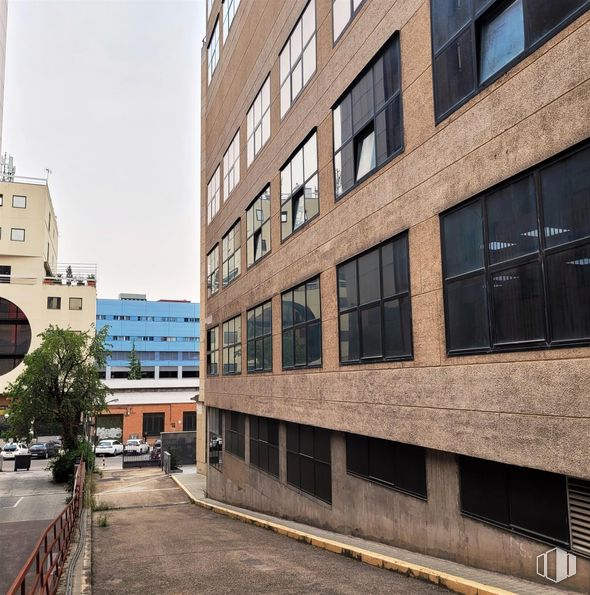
(524, 408)
(34, 276)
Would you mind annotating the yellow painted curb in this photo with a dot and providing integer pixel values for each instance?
(453, 583)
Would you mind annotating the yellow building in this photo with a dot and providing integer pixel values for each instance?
(35, 291)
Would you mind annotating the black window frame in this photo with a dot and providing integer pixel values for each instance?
(255, 233)
(258, 340)
(489, 269)
(236, 321)
(53, 305)
(487, 10)
(13, 317)
(14, 206)
(295, 457)
(381, 301)
(373, 445)
(192, 417)
(152, 421)
(5, 271)
(376, 112)
(215, 435)
(299, 192)
(213, 275)
(213, 350)
(299, 325)
(227, 254)
(235, 434)
(504, 495)
(264, 444)
(74, 300)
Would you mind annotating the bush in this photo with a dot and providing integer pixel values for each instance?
(63, 467)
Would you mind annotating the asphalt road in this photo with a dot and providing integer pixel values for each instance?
(157, 542)
(29, 501)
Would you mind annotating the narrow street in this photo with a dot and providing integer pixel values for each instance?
(155, 541)
(29, 501)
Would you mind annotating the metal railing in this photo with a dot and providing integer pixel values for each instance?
(74, 274)
(43, 569)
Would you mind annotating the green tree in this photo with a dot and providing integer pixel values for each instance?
(60, 384)
(134, 365)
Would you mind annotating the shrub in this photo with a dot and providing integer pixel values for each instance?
(62, 467)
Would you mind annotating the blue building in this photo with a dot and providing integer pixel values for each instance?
(165, 334)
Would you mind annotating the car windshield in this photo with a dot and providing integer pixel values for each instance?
(104, 443)
(134, 442)
(10, 447)
(39, 445)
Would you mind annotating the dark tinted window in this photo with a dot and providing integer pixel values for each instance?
(189, 421)
(235, 433)
(153, 424)
(259, 327)
(309, 460)
(527, 284)
(476, 40)
(374, 304)
(524, 500)
(392, 464)
(264, 444)
(368, 120)
(301, 321)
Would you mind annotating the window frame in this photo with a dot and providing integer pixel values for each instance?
(235, 229)
(353, 13)
(215, 436)
(398, 95)
(73, 300)
(57, 303)
(13, 229)
(305, 324)
(316, 461)
(192, 415)
(235, 4)
(381, 301)
(258, 339)
(214, 194)
(259, 123)
(24, 206)
(262, 444)
(212, 350)
(257, 232)
(487, 11)
(237, 433)
(299, 193)
(213, 54)
(234, 167)
(215, 272)
(227, 347)
(298, 61)
(153, 416)
(488, 269)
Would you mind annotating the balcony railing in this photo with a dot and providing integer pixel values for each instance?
(74, 274)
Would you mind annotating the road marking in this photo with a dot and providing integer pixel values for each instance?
(14, 505)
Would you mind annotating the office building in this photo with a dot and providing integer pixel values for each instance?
(395, 249)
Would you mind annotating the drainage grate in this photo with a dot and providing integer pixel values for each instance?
(579, 504)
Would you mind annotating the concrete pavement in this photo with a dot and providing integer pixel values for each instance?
(156, 542)
(29, 501)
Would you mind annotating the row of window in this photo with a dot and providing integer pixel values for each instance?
(18, 202)
(230, 8)
(474, 41)
(54, 303)
(17, 234)
(145, 318)
(522, 500)
(153, 423)
(153, 355)
(150, 338)
(516, 271)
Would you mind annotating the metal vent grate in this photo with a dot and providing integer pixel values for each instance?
(579, 504)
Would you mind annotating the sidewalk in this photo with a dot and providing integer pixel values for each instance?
(456, 577)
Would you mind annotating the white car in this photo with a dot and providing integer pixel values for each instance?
(108, 447)
(136, 446)
(13, 448)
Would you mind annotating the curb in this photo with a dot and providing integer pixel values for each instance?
(454, 583)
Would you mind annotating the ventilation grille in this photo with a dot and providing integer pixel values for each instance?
(579, 500)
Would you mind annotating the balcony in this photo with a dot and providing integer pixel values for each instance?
(72, 274)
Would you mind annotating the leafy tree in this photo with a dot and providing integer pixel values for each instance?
(134, 365)
(60, 384)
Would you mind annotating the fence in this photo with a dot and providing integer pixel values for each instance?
(45, 565)
(182, 444)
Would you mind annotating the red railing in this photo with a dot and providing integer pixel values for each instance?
(45, 565)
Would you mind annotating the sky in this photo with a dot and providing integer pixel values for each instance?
(105, 93)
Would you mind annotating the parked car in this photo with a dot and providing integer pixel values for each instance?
(136, 446)
(43, 450)
(108, 447)
(9, 451)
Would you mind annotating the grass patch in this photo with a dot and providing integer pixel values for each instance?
(103, 520)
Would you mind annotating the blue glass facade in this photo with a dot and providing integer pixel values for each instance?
(165, 334)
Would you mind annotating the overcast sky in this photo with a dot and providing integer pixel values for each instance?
(106, 95)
